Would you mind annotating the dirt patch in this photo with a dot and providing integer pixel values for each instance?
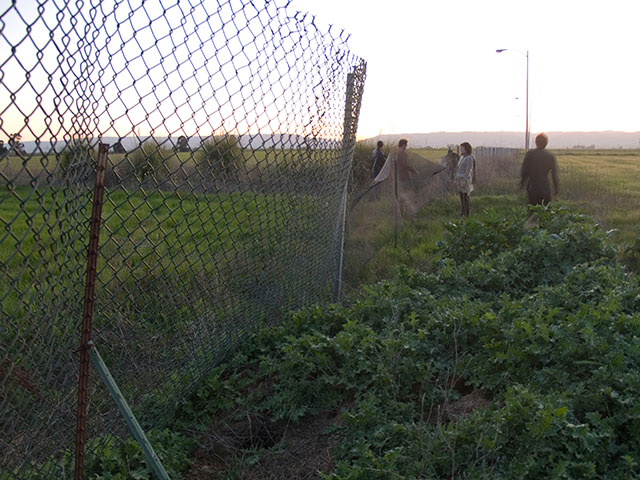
(252, 448)
(465, 405)
(451, 411)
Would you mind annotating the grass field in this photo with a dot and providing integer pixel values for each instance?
(170, 238)
(605, 185)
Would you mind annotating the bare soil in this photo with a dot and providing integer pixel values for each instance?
(249, 447)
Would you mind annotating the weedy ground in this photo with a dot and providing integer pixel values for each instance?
(512, 355)
(481, 348)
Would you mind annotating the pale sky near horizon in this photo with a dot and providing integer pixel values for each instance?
(432, 65)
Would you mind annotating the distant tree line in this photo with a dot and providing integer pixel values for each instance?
(16, 147)
(181, 145)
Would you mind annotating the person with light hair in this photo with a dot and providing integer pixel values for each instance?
(534, 175)
(465, 177)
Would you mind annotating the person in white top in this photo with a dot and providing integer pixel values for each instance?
(465, 177)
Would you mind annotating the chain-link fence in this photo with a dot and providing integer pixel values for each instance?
(231, 128)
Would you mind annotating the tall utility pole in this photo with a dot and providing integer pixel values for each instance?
(526, 127)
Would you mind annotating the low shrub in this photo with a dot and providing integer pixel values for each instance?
(148, 164)
(219, 159)
(513, 359)
(77, 164)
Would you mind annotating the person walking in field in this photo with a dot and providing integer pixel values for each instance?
(534, 175)
(451, 164)
(465, 177)
(377, 159)
(377, 162)
(405, 200)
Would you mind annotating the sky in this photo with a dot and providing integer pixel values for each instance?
(432, 64)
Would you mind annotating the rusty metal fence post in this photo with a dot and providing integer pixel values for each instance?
(87, 313)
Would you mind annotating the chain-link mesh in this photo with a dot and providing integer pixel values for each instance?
(232, 127)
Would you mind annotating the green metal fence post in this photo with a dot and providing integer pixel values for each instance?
(149, 454)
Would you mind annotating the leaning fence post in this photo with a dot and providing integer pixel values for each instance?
(353, 101)
(87, 313)
(346, 148)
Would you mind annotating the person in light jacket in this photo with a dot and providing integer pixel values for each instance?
(465, 177)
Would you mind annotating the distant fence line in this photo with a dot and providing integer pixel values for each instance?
(491, 163)
(496, 153)
(204, 236)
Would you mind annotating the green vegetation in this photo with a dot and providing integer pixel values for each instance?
(110, 458)
(150, 164)
(496, 351)
(137, 228)
(476, 349)
(219, 158)
(166, 259)
(514, 356)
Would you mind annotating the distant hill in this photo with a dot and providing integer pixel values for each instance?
(598, 140)
(601, 140)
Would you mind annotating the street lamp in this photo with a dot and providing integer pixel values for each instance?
(526, 128)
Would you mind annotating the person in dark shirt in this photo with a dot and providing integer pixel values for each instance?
(534, 176)
(377, 162)
(377, 159)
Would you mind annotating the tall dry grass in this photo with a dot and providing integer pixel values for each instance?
(605, 185)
